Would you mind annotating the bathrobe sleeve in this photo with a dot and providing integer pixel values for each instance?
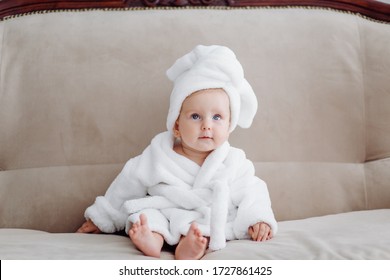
(108, 213)
(250, 195)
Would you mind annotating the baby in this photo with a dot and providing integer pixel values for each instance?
(189, 187)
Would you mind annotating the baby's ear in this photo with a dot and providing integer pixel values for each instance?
(176, 131)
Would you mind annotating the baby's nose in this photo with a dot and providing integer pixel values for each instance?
(206, 125)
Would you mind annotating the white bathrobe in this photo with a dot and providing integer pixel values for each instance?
(223, 196)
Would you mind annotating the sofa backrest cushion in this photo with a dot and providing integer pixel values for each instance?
(82, 92)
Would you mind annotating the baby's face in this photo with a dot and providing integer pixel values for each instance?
(204, 120)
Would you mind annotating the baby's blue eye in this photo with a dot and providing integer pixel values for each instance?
(195, 117)
(217, 117)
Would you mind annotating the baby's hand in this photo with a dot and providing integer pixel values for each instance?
(260, 232)
(88, 227)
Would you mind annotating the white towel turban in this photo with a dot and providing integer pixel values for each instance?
(207, 67)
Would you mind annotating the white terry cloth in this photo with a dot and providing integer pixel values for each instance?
(207, 67)
(223, 196)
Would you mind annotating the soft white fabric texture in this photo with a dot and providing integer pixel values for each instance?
(223, 196)
(207, 67)
(328, 237)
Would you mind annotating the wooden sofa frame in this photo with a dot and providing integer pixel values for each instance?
(376, 10)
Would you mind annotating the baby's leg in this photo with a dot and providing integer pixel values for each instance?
(147, 241)
(192, 246)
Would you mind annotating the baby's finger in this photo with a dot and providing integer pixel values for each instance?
(256, 232)
(250, 231)
(253, 233)
(261, 232)
(270, 235)
(83, 228)
(266, 234)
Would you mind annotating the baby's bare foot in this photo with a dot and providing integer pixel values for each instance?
(192, 246)
(150, 243)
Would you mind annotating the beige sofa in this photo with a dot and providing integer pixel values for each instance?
(81, 92)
